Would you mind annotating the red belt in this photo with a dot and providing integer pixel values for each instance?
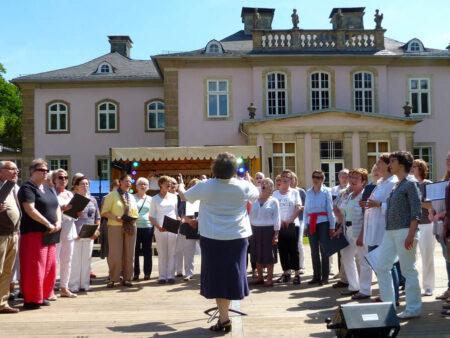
(313, 221)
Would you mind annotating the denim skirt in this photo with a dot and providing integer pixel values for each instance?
(223, 268)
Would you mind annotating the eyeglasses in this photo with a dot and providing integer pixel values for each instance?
(42, 170)
(317, 177)
(63, 177)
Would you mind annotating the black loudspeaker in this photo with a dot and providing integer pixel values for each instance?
(270, 166)
(365, 320)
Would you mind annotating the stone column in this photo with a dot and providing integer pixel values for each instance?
(171, 131)
(363, 138)
(27, 130)
(410, 141)
(308, 159)
(300, 158)
(267, 152)
(394, 141)
(401, 141)
(379, 38)
(348, 150)
(315, 145)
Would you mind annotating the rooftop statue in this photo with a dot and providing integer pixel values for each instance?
(295, 19)
(378, 18)
(256, 19)
(339, 17)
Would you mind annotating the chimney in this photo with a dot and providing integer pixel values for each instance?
(347, 18)
(264, 22)
(120, 44)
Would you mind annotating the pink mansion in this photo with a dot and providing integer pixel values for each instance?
(305, 99)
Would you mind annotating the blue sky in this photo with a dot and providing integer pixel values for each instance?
(42, 35)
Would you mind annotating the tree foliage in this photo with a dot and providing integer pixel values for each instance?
(10, 113)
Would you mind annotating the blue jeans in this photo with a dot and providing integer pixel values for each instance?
(393, 245)
(394, 274)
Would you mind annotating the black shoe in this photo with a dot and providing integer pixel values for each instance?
(162, 281)
(221, 327)
(171, 281)
(324, 282)
(296, 280)
(31, 306)
(127, 283)
(349, 292)
(45, 303)
(179, 275)
(283, 279)
(147, 277)
(12, 296)
(340, 284)
(136, 277)
(19, 295)
(314, 281)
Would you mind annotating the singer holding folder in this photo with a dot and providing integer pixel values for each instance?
(320, 221)
(224, 228)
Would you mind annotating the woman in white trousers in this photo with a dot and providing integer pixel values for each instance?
(64, 248)
(82, 250)
(426, 236)
(164, 204)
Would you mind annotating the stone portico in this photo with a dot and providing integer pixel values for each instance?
(358, 136)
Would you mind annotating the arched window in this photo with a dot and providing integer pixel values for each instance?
(58, 117)
(320, 90)
(214, 47)
(276, 93)
(104, 68)
(363, 92)
(155, 115)
(107, 116)
(414, 47)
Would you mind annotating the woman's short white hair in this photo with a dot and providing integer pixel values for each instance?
(142, 180)
(259, 174)
(269, 182)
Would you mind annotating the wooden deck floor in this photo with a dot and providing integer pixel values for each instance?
(150, 310)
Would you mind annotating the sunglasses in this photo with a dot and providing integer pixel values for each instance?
(63, 177)
(317, 177)
(42, 170)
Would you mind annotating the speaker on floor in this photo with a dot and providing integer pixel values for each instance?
(365, 320)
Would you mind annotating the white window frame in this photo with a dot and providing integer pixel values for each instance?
(101, 67)
(419, 93)
(430, 163)
(218, 93)
(58, 114)
(283, 155)
(332, 170)
(106, 170)
(156, 111)
(321, 90)
(215, 44)
(58, 164)
(277, 91)
(363, 91)
(107, 112)
(415, 46)
(377, 153)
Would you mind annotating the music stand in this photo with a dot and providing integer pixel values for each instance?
(215, 310)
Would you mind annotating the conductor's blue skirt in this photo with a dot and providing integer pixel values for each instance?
(223, 268)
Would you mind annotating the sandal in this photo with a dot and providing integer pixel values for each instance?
(221, 327)
(110, 284)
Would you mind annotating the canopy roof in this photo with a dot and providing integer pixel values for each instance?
(181, 153)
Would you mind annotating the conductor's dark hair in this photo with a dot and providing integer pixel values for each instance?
(224, 166)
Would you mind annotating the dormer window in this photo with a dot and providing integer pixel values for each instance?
(104, 68)
(414, 46)
(214, 47)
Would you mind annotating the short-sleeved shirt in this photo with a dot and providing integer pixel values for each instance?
(90, 214)
(223, 207)
(45, 202)
(266, 214)
(288, 203)
(143, 205)
(167, 206)
(113, 203)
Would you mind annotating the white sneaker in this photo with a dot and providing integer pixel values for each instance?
(407, 315)
(428, 292)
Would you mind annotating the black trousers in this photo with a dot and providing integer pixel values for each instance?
(143, 247)
(320, 261)
(288, 248)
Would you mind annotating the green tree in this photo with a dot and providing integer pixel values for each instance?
(10, 113)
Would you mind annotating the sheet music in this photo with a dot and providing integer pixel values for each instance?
(435, 191)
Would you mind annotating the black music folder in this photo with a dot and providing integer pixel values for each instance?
(87, 230)
(188, 231)
(171, 225)
(51, 238)
(78, 203)
(333, 245)
(5, 190)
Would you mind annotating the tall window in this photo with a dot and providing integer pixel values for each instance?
(58, 163)
(374, 150)
(283, 157)
(276, 94)
(58, 117)
(363, 92)
(331, 161)
(155, 115)
(218, 98)
(419, 95)
(425, 153)
(107, 116)
(103, 168)
(320, 91)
